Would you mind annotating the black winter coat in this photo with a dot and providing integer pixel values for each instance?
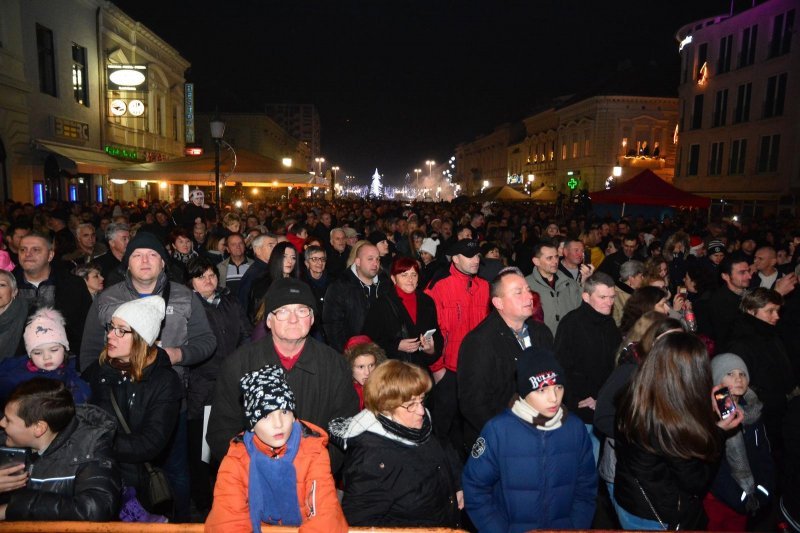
(75, 478)
(771, 375)
(232, 328)
(150, 408)
(388, 322)
(717, 314)
(391, 484)
(346, 308)
(487, 370)
(586, 342)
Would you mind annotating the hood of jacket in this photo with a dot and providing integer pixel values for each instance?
(342, 430)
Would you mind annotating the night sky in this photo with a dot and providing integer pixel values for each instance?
(399, 82)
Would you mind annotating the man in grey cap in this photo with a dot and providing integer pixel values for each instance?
(319, 377)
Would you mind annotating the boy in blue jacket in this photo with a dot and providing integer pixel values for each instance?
(532, 467)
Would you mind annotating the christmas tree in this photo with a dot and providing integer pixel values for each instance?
(376, 189)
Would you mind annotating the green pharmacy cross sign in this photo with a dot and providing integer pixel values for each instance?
(572, 183)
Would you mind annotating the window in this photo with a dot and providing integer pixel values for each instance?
(80, 87)
(768, 153)
(738, 153)
(159, 116)
(575, 146)
(702, 57)
(720, 108)
(782, 27)
(697, 113)
(748, 53)
(775, 96)
(742, 111)
(725, 48)
(678, 162)
(587, 144)
(715, 159)
(563, 151)
(694, 160)
(175, 122)
(47, 60)
(552, 150)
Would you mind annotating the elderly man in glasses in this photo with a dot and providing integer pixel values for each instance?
(319, 376)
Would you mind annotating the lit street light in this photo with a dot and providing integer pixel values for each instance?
(430, 164)
(417, 171)
(217, 132)
(333, 181)
(319, 161)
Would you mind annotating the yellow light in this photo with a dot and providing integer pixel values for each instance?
(485, 183)
(617, 172)
(142, 184)
(163, 184)
(255, 190)
(287, 161)
(531, 177)
(275, 183)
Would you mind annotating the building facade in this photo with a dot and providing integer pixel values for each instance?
(302, 122)
(483, 162)
(739, 129)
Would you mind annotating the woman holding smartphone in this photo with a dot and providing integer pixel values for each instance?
(399, 322)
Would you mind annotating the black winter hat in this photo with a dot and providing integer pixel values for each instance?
(265, 390)
(377, 236)
(144, 239)
(288, 291)
(537, 368)
(465, 247)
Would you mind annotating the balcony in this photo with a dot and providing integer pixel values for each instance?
(641, 162)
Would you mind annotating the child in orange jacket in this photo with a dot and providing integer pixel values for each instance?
(279, 472)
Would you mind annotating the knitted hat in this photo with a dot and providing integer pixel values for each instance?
(45, 326)
(5, 261)
(355, 341)
(724, 363)
(265, 390)
(377, 236)
(287, 291)
(147, 240)
(715, 247)
(429, 245)
(537, 369)
(144, 316)
(465, 247)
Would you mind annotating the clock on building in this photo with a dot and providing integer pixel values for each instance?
(136, 108)
(118, 107)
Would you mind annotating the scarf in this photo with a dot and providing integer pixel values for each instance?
(360, 391)
(183, 258)
(415, 436)
(735, 449)
(116, 364)
(409, 302)
(523, 409)
(272, 491)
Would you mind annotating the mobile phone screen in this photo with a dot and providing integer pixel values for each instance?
(725, 403)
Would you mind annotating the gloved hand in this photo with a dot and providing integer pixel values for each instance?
(751, 504)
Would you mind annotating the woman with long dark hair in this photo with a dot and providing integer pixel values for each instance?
(283, 263)
(667, 437)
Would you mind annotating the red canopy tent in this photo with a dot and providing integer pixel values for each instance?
(646, 188)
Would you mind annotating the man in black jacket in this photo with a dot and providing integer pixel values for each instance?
(320, 378)
(74, 476)
(586, 341)
(717, 314)
(488, 354)
(612, 263)
(349, 298)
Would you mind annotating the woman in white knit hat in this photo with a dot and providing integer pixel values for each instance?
(136, 374)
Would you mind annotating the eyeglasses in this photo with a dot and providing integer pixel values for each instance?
(412, 406)
(317, 259)
(283, 313)
(118, 331)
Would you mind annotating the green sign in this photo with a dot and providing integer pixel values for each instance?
(122, 153)
(572, 183)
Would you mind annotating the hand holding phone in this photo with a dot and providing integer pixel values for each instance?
(725, 402)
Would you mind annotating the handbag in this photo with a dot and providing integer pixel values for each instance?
(156, 494)
(660, 522)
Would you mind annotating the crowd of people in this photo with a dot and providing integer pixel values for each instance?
(493, 367)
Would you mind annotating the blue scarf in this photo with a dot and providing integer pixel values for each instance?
(272, 493)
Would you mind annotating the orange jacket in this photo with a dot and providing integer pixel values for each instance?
(316, 492)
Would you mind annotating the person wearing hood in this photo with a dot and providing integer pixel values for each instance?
(74, 476)
(532, 467)
(278, 472)
(396, 473)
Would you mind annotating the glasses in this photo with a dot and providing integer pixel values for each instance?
(412, 406)
(118, 331)
(317, 259)
(283, 313)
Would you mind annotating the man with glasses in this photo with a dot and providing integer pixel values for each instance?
(319, 377)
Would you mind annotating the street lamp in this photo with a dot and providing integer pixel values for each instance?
(417, 171)
(333, 181)
(430, 164)
(319, 161)
(217, 132)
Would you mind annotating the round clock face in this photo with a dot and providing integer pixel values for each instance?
(118, 107)
(136, 108)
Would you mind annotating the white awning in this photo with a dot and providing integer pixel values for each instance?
(87, 160)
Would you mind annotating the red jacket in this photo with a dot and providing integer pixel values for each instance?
(462, 302)
(316, 493)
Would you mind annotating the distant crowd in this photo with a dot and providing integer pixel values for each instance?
(325, 364)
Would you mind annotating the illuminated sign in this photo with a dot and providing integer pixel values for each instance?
(69, 129)
(514, 179)
(188, 111)
(193, 150)
(127, 77)
(136, 108)
(686, 40)
(572, 183)
(118, 107)
(121, 153)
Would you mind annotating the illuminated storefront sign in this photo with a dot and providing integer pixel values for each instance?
(188, 111)
(69, 129)
(127, 77)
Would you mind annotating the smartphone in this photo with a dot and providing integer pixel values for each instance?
(725, 403)
(14, 456)
(428, 334)
(682, 290)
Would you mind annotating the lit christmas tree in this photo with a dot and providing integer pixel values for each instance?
(376, 190)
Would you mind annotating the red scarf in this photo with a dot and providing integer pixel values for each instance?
(360, 391)
(409, 302)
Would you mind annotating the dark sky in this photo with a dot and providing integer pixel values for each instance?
(398, 82)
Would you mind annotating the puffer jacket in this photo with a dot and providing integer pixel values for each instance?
(462, 302)
(316, 492)
(392, 482)
(558, 301)
(19, 369)
(150, 408)
(520, 478)
(75, 478)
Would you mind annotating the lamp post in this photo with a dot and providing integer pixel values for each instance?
(333, 181)
(319, 161)
(417, 171)
(217, 132)
(430, 164)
